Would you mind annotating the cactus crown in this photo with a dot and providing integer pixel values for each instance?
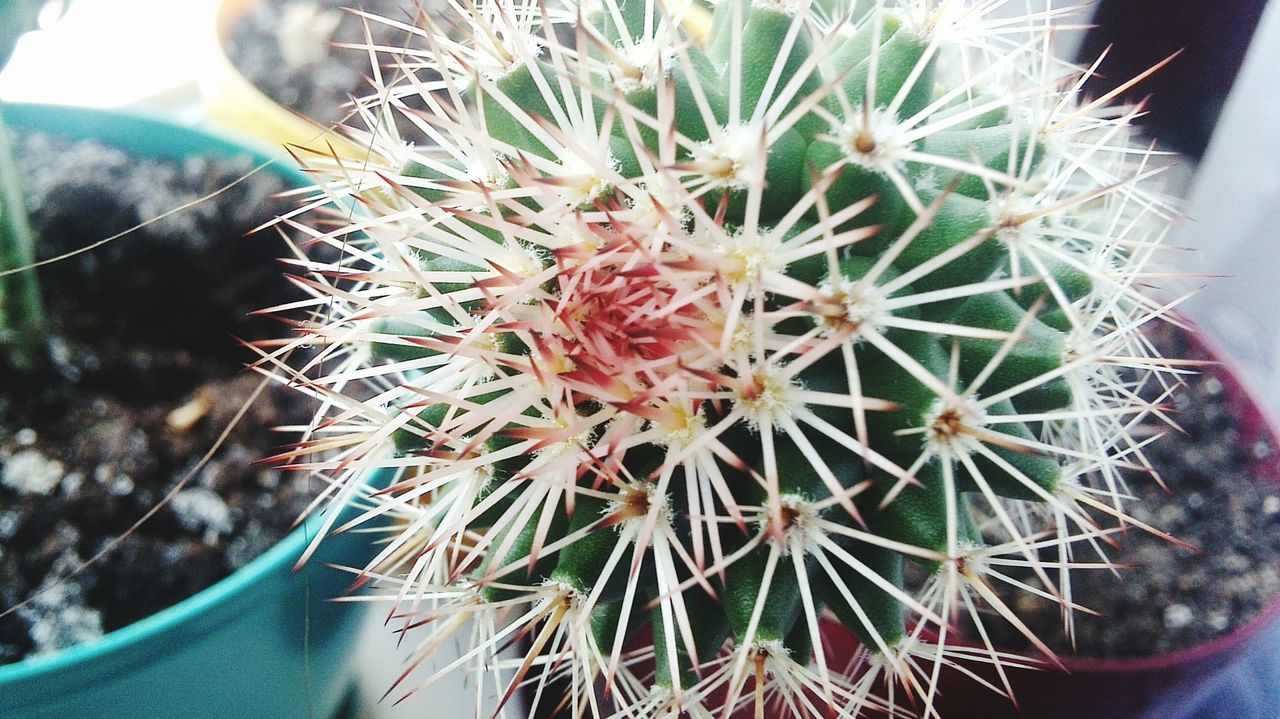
(717, 333)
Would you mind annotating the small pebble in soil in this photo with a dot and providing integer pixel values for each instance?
(71, 483)
(304, 32)
(200, 511)
(9, 521)
(1177, 616)
(56, 612)
(1211, 386)
(121, 485)
(30, 472)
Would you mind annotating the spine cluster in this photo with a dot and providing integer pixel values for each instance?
(686, 336)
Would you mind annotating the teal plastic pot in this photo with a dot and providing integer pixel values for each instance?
(265, 641)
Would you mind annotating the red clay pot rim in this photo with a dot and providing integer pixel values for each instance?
(1257, 422)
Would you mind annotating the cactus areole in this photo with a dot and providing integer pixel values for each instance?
(716, 327)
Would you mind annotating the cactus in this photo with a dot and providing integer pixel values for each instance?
(689, 336)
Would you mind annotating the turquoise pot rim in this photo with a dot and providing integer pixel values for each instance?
(214, 600)
(150, 134)
(154, 136)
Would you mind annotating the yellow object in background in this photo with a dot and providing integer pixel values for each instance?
(234, 103)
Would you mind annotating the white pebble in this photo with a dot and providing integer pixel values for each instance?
(1177, 616)
(8, 524)
(25, 437)
(269, 479)
(1271, 505)
(60, 353)
(56, 615)
(65, 627)
(121, 485)
(30, 472)
(304, 33)
(1219, 621)
(199, 510)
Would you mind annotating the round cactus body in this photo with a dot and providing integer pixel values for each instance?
(690, 335)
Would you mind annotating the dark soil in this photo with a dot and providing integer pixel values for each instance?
(286, 48)
(143, 375)
(1223, 498)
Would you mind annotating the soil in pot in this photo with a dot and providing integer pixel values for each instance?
(1221, 499)
(144, 374)
(291, 50)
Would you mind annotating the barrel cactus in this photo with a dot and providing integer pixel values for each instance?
(695, 339)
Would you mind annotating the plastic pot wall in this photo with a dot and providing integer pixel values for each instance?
(235, 103)
(264, 642)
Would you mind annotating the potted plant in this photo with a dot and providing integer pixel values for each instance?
(1187, 631)
(1224, 670)
(696, 357)
(266, 638)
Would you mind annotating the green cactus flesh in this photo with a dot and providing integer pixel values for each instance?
(689, 348)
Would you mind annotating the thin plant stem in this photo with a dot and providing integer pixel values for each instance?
(21, 309)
